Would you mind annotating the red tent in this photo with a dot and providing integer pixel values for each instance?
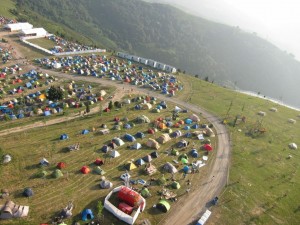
(129, 196)
(100, 98)
(61, 165)
(99, 162)
(125, 208)
(85, 170)
(151, 131)
(106, 110)
(208, 147)
(117, 119)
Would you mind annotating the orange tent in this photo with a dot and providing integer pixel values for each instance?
(85, 170)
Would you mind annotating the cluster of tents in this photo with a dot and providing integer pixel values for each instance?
(115, 69)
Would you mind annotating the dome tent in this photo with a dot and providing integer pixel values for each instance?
(28, 192)
(163, 205)
(87, 214)
(57, 173)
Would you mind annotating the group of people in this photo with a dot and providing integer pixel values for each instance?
(4, 20)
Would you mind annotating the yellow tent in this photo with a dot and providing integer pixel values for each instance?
(42, 96)
(131, 166)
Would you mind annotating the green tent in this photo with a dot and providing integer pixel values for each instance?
(99, 171)
(175, 185)
(145, 193)
(163, 205)
(162, 180)
(184, 161)
(42, 174)
(57, 173)
(168, 130)
(183, 156)
(174, 152)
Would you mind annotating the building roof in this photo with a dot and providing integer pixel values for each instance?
(34, 31)
(19, 26)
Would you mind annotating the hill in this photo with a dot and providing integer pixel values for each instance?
(224, 54)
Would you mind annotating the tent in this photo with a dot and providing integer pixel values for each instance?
(174, 152)
(154, 155)
(114, 154)
(105, 148)
(28, 192)
(85, 131)
(184, 161)
(168, 130)
(147, 106)
(47, 113)
(136, 146)
(188, 121)
(105, 184)
(139, 162)
(99, 170)
(142, 119)
(175, 185)
(118, 141)
(127, 126)
(87, 214)
(208, 147)
(186, 169)
(151, 143)
(112, 145)
(145, 193)
(195, 118)
(187, 128)
(195, 126)
(176, 134)
(183, 156)
(163, 205)
(163, 138)
(99, 162)
(293, 146)
(151, 169)
(85, 170)
(147, 158)
(117, 127)
(44, 162)
(151, 131)
(182, 144)
(11, 210)
(129, 137)
(209, 132)
(194, 153)
(130, 166)
(170, 168)
(61, 165)
(57, 173)
(64, 137)
(7, 158)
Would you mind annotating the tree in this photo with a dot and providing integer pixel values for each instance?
(55, 93)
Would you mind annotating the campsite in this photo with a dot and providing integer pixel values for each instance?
(146, 138)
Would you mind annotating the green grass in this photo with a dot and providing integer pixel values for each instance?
(43, 42)
(264, 184)
(6, 5)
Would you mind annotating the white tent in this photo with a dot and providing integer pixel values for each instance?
(36, 32)
(18, 26)
(7, 159)
(114, 154)
(56, 65)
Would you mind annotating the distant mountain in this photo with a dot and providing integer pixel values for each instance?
(224, 54)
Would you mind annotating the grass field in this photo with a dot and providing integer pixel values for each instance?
(264, 182)
(43, 42)
(6, 5)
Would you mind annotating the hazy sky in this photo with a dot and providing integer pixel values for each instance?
(275, 20)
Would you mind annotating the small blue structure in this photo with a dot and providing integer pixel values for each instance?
(140, 162)
(186, 169)
(64, 137)
(47, 113)
(187, 127)
(140, 135)
(105, 148)
(195, 126)
(188, 121)
(87, 214)
(85, 131)
(129, 137)
(127, 126)
(188, 135)
(20, 116)
(194, 153)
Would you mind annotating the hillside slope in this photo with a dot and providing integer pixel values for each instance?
(224, 54)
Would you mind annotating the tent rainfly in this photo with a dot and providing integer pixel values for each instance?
(105, 184)
(130, 166)
(170, 168)
(163, 205)
(151, 143)
(7, 158)
(115, 154)
(136, 146)
(164, 138)
(293, 146)
(28, 192)
(99, 170)
(87, 214)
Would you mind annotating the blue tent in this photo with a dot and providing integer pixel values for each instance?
(28, 85)
(47, 113)
(127, 126)
(186, 169)
(140, 135)
(194, 153)
(188, 135)
(59, 110)
(105, 149)
(13, 117)
(136, 146)
(140, 162)
(28, 192)
(138, 107)
(169, 124)
(188, 121)
(159, 107)
(129, 137)
(85, 131)
(64, 137)
(20, 116)
(187, 127)
(195, 126)
(87, 214)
